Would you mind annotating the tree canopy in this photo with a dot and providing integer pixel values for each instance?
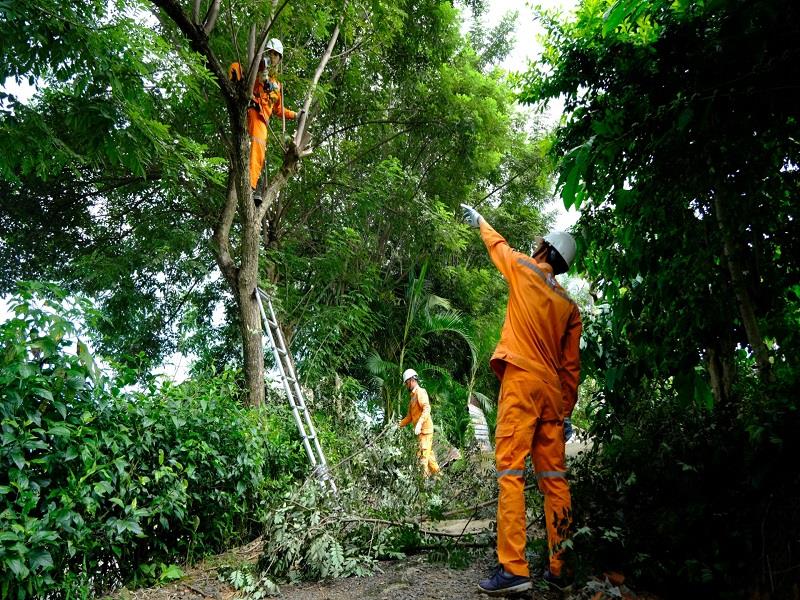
(119, 185)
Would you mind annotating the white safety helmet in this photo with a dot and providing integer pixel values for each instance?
(564, 243)
(408, 374)
(275, 44)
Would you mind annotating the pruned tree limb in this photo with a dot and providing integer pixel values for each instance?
(459, 511)
(357, 519)
(299, 134)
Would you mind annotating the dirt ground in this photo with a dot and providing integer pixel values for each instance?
(414, 578)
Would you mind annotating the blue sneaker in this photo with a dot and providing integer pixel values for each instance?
(557, 582)
(501, 583)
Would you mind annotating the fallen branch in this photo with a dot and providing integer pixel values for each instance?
(353, 519)
(481, 505)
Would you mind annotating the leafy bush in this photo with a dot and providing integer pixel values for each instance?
(687, 497)
(99, 486)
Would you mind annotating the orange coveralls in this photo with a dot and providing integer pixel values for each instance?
(267, 101)
(420, 408)
(538, 363)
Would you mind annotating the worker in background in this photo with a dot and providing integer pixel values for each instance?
(267, 101)
(538, 363)
(419, 414)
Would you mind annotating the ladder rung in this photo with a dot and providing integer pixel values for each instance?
(289, 378)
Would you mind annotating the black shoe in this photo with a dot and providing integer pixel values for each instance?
(257, 200)
(560, 583)
(501, 583)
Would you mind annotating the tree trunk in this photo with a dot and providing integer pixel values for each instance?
(743, 299)
(252, 342)
(253, 350)
(243, 278)
(720, 372)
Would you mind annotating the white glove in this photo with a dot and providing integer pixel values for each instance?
(471, 216)
(418, 428)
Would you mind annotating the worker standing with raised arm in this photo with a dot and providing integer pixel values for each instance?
(538, 363)
(419, 413)
(267, 101)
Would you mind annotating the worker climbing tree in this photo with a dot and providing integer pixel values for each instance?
(267, 101)
(419, 414)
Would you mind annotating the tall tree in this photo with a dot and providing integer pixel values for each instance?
(679, 146)
(137, 204)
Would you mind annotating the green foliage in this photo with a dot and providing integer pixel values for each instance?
(101, 486)
(678, 146)
(426, 316)
(378, 514)
(665, 460)
(123, 151)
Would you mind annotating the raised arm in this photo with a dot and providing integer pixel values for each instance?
(500, 252)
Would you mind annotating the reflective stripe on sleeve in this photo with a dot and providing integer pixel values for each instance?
(551, 284)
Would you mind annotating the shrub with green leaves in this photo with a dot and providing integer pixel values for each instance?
(99, 486)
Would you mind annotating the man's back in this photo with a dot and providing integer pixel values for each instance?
(541, 333)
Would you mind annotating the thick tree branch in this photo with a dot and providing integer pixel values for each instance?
(221, 237)
(251, 45)
(199, 43)
(211, 17)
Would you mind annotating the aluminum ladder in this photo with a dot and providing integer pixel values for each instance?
(288, 377)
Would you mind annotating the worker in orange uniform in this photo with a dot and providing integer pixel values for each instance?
(419, 413)
(267, 101)
(538, 363)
